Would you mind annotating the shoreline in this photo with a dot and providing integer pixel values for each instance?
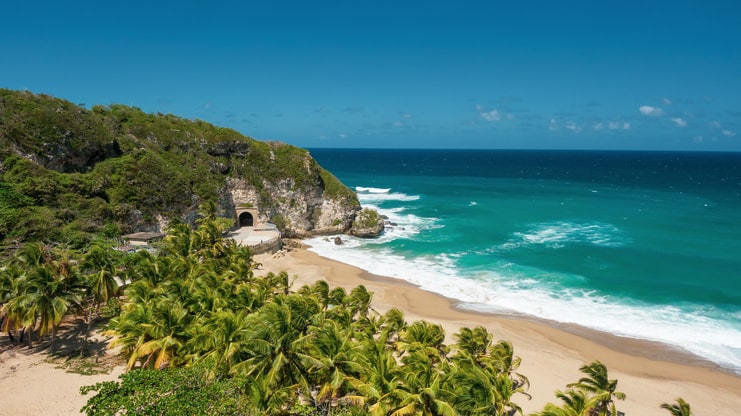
(650, 373)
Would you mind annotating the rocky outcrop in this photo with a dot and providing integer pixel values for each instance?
(368, 223)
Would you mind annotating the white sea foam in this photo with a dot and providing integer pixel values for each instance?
(372, 190)
(558, 234)
(381, 197)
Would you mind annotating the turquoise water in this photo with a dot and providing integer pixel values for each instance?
(640, 244)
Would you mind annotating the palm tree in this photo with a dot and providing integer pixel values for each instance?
(423, 389)
(380, 385)
(154, 331)
(46, 296)
(99, 264)
(576, 403)
(603, 391)
(475, 342)
(680, 408)
(359, 301)
(165, 334)
(220, 338)
(481, 387)
(475, 391)
(334, 357)
(10, 279)
(275, 342)
(507, 363)
(267, 398)
(422, 335)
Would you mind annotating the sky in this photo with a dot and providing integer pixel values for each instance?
(617, 75)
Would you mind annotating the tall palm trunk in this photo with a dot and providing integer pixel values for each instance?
(53, 338)
(30, 333)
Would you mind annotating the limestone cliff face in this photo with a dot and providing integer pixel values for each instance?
(297, 212)
(69, 173)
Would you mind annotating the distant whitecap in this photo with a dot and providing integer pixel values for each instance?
(372, 190)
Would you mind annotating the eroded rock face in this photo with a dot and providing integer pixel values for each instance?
(299, 213)
(367, 232)
(367, 224)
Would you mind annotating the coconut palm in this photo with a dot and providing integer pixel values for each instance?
(680, 408)
(99, 269)
(359, 301)
(47, 287)
(275, 342)
(601, 389)
(10, 279)
(48, 292)
(422, 335)
(424, 389)
(130, 328)
(165, 334)
(152, 331)
(267, 398)
(481, 386)
(575, 403)
(334, 357)
(219, 339)
(475, 342)
(237, 262)
(380, 386)
(505, 361)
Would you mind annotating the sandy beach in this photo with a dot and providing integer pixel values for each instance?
(34, 383)
(649, 373)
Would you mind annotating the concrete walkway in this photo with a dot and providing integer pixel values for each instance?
(251, 236)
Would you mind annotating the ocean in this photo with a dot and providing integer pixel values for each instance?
(640, 244)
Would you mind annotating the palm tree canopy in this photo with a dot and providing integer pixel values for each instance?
(680, 408)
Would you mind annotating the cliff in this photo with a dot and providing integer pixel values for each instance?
(68, 173)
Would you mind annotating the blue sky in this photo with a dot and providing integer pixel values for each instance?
(410, 74)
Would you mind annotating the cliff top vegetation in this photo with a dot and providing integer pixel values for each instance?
(68, 173)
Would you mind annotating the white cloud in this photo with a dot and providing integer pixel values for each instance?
(492, 115)
(598, 126)
(680, 122)
(715, 124)
(343, 136)
(667, 101)
(648, 110)
(553, 125)
(573, 127)
(397, 124)
(406, 116)
(616, 125)
(728, 133)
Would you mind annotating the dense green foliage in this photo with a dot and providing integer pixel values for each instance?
(68, 173)
(182, 391)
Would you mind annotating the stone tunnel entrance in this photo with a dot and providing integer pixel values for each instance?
(246, 220)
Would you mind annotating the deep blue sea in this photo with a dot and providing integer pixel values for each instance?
(640, 244)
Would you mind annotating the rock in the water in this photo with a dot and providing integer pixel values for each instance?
(337, 241)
